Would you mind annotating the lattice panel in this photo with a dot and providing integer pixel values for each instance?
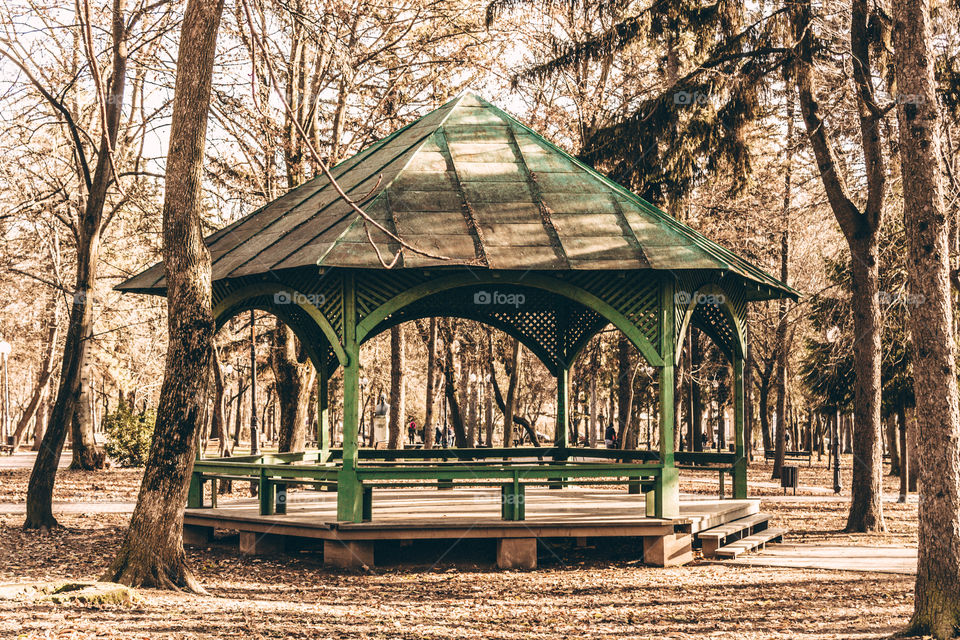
(374, 288)
(709, 317)
(635, 294)
(295, 317)
(712, 321)
(580, 326)
(537, 317)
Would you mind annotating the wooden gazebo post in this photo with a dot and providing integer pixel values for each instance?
(349, 491)
(667, 504)
(740, 463)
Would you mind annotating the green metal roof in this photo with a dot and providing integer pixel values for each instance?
(469, 182)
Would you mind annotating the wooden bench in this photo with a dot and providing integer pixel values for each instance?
(7, 449)
(789, 455)
(717, 537)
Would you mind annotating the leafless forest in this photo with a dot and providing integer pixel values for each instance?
(777, 130)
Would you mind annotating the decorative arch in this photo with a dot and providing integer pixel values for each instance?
(298, 300)
(558, 287)
(310, 344)
(396, 318)
(720, 300)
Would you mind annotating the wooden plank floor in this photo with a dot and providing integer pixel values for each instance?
(475, 513)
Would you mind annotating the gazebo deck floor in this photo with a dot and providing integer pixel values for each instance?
(428, 513)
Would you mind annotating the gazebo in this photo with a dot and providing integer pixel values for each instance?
(520, 236)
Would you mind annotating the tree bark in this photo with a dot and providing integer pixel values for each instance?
(696, 398)
(937, 600)
(293, 392)
(860, 230)
(511, 402)
(624, 389)
(87, 454)
(398, 391)
(893, 446)
(152, 551)
(43, 476)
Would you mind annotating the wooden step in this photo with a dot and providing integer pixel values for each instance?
(713, 539)
(751, 542)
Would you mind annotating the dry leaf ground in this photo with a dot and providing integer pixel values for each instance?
(599, 592)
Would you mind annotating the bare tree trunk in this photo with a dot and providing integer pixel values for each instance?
(592, 419)
(937, 600)
(152, 550)
(783, 353)
(450, 388)
(502, 404)
(40, 424)
(429, 337)
(488, 413)
(43, 476)
(398, 391)
(904, 458)
(87, 455)
(511, 401)
(892, 447)
(866, 506)
(293, 392)
(860, 230)
(624, 389)
(696, 399)
(43, 378)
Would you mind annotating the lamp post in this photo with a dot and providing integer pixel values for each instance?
(5, 349)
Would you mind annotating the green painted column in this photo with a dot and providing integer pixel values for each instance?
(349, 491)
(668, 486)
(740, 464)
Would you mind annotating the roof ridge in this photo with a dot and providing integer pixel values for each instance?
(383, 190)
(702, 242)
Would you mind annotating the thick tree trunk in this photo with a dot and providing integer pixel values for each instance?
(937, 603)
(866, 506)
(293, 391)
(87, 454)
(43, 476)
(398, 391)
(152, 550)
(860, 230)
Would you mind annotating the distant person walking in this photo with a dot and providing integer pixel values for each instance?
(610, 437)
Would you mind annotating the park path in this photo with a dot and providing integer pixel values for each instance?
(16, 508)
(834, 558)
